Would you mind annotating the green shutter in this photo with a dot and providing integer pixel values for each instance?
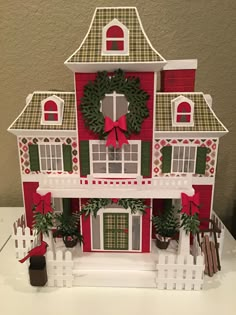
(166, 159)
(201, 160)
(145, 158)
(66, 206)
(84, 158)
(67, 157)
(34, 157)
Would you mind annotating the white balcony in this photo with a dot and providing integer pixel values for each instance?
(73, 186)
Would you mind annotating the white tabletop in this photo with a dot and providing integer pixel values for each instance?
(18, 297)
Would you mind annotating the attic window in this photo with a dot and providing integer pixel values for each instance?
(115, 39)
(52, 110)
(182, 111)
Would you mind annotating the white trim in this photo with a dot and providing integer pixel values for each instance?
(122, 161)
(174, 111)
(154, 121)
(196, 180)
(130, 243)
(77, 127)
(40, 133)
(125, 39)
(60, 109)
(189, 134)
(31, 177)
(188, 64)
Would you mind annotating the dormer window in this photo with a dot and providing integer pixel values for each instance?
(52, 110)
(182, 111)
(115, 39)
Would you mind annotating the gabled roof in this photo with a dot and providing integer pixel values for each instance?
(30, 117)
(140, 49)
(205, 119)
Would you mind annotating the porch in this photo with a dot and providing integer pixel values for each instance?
(70, 186)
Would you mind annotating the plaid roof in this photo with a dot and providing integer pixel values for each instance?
(139, 48)
(31, 116)
(204, 119)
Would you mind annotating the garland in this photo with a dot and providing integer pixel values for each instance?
(95, 91)
(95, 204)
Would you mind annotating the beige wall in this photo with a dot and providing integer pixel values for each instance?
(37, 36)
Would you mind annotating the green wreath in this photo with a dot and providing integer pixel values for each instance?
(95, 91)
(95, 204)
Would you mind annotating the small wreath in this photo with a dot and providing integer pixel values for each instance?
(95, 204)
(95, 91)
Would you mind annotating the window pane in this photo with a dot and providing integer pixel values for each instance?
(118, 154)
(53, 150)
(59, 164)
(96, 156)
(96, 232)
(175, 166)
(58, 150)
(99, 167)
(43, 164)
(49, 166)
(48, 151)
(131, 168)
(111, 154)
(102, 148)
(180, 166)
(186, 153)
(42, 150)
(134, 148)
(115, 167)
(102, 156)
(134, 156)
(54, 165)
(181, 152)
(107, 106)
(192, 153)
(121, 106)
(127, 156)
(95, 147)
(176, 152)
(126, 147)
(191, 166)
(135, 232)
(185, 166)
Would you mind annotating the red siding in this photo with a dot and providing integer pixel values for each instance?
(146, 225)
(86, 228)
(29, 188)
(147, 84)
(177, 80)
(205, 193)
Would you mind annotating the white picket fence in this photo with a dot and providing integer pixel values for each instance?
(60, 269)
(23, 238)
(180, 272)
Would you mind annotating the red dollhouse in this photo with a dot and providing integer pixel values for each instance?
(133, 134)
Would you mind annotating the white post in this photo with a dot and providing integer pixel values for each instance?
(184, 242)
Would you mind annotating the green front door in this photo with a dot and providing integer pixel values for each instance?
(115, 229)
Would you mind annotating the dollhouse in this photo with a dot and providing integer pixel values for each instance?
(133, 135)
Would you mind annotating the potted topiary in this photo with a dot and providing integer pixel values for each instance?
(166, 225)
(67, 228)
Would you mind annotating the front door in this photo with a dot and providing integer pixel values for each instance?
(115, 227)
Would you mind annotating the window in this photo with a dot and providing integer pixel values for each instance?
(51, 157)
(57, 205)
(52, 110)
(107, 161)
(183, 159)
(114, 106)
(115, 39)
(182, 111)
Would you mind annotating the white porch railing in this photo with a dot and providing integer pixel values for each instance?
(63, 183)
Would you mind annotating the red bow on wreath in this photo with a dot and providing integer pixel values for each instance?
(42, 203)
(115, 131)
(190, 204)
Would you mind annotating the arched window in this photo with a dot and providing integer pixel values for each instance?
(50, 111)
(115, 39)
(183, 113)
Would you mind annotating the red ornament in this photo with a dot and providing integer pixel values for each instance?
(115, 200)
(42, 203)
(115, 131)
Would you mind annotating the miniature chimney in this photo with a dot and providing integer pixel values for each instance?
(178, 76)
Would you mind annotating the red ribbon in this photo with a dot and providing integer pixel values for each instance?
(115, 131)
(190, 204)
(42, 203)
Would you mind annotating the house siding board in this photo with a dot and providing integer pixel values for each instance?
(178, 80)
(205, 194)
(86, 229)
(28, 189)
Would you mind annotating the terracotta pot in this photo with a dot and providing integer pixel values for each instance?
(70, 242)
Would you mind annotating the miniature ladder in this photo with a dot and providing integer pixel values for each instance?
(210, 248)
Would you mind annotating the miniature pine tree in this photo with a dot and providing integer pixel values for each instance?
(167, 223)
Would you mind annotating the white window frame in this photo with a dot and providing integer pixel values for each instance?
(173, 159)
(60, 109)
(47, 158)
(114, 96)
(130, 239)
(174, 104)
(122, 161)
(125, 39)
